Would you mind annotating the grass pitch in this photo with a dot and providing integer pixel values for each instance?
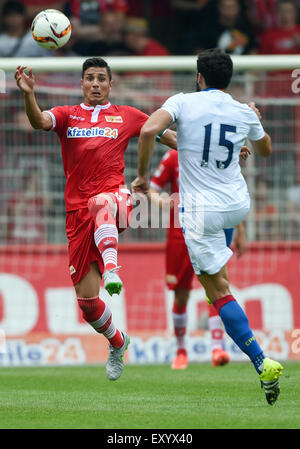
(146, 397)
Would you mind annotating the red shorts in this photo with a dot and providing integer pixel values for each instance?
(80, 230)
(180, 272)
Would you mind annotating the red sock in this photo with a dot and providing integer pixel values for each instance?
(219, 303)
(212, 311)
(99, 316)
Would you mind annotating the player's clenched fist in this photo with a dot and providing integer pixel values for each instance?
(140, 185)
(24, 82)
(245, 152)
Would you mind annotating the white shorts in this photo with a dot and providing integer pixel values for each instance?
(205, 239)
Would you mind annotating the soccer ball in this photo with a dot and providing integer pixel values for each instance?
(51, 29)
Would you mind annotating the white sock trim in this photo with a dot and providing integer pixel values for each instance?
(106, 231)
(103, 319)
(179, 320)
(110, 331)
(110, 255)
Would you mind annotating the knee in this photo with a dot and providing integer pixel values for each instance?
(223, 287)
(219, 289)
(96, 204)
(181, 297)
(215, 286)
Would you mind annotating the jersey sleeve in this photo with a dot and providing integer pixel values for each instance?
(164, 172)
(59, 115)
(137, 119)
(173, 106)
(256, 130)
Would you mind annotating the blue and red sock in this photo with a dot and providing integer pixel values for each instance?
(237, 327)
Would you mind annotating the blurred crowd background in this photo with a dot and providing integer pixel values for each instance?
(158, 27)
(31, 174)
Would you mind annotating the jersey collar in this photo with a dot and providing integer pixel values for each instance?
(98, 106)
(212, 88)
(95, 110)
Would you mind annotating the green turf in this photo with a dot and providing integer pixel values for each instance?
(146, 397)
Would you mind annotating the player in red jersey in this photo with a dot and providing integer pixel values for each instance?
(179, 270)
(94, 136)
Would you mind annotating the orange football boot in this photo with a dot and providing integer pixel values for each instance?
(180, 360)
(219, 357)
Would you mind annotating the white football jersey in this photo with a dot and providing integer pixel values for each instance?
(211, 129)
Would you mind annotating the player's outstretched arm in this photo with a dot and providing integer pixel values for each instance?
(155, 124)
(37, 118)
(263, 147)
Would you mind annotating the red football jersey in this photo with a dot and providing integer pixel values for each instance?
(167, 173)
(103, 5)
(278, 41)
(93, 142)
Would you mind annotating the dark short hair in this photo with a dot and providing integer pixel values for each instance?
(13, 7)
(216, 68)
(96, 62)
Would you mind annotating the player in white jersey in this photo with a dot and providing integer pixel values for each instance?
(211, 129)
